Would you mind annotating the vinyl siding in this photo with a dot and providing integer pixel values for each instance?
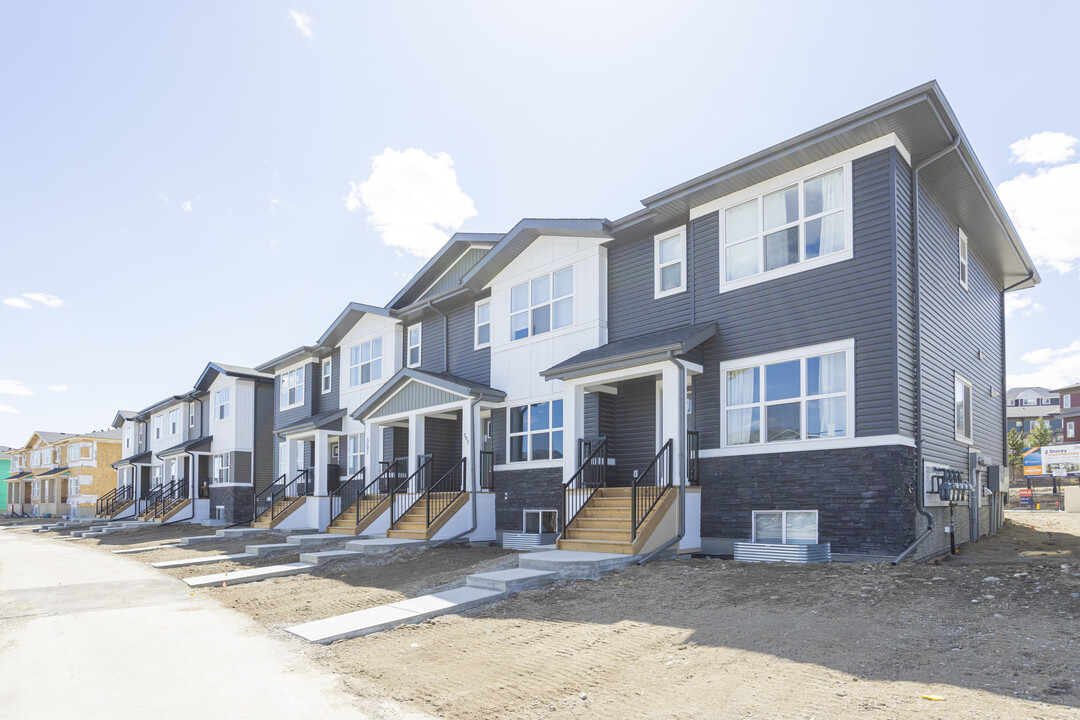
(466, 362)
(265, 446)
(457, 271)
(442, 440)
(415, 396)
(905, 298)
(331, 400)
(298, 413)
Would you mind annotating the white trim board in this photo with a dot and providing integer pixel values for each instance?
(808, 445)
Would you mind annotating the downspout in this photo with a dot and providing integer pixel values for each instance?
(916, 253)
(681, 532)
(472, 500)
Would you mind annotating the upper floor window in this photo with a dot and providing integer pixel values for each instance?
(174, 421)
(962, 251)
(191, 415)
(413, 352)
(292, 389)
(545, 304)
(128, 438)
(365, 362)
(1066, 401)
(669, 263)
(483, 324)
(157, 423)
(142, 428)
(1030, 401)
(536, 431)
(790, 396)
(327, 375)
(962, 408)
(221, 403)
(772, 234)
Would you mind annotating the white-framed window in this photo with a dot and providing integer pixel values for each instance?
(962, 409)
(221, 403)
(155, 475)
(292, 389)
(540, 521)
(1070, 429)
(669, 263)
(172, 471)
(482, 337)
(1029, 401)
(157, 424)
(793, 228)
(129, 437)
(412, 352)
(327, 375)
(365, 362)
(191, 415)
(219, 513)
(785, 527)
(298, 455)
(221, 468)
(142, 429)
(1066, 401)
(962, 251)
(174, 421)
(35, 490)
(544, 304)
(535, 431)
(73, 487)
(806, 394)
(355, 453)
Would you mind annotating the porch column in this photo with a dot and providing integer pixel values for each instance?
(372, 450)
(416, 442)
(289, 463)
(674, 416)
(320, 460)
(573, 426)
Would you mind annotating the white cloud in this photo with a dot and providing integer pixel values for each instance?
(165, 199)
(8, 409)
(186, 206)
(1020, 305)
(1044, 208)
(412, 199)
(302, 21)
(1055, 367)
(17, 302)
(14, 387)
(58, 388)
(1045, 148)
(45, 299)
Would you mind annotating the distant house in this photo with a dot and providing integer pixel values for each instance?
(5, 473)
(1069, 415)
(60, 474)
(1025, 405)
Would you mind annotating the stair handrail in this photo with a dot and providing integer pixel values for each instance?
(650, 485)
(301, 486)
(264, 499)
(105, 500)
(115, 499)
(344, 491)
(159, 501)
(422, 469)
(150, 499)
(590, 476)
(445, 490)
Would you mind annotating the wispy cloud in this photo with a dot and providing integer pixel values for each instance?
(302, 22)
(1054, 367)
(165, 199)
(1021, 305)
(186, 206)
(8, 409)
(1045, 148)
(14, 387)
(413, 199)
(58, 388)
(26, 301)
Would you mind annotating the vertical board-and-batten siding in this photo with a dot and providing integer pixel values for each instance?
(415, 396)
(851, 298)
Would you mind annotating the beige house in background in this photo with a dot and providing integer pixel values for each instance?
(63, 473)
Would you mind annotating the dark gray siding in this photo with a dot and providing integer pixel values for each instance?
(241, 467)
(498, 434)
(905, 299)
(442, 440)
(204, 413)
(329, 401)
(633, 442)
(432, 348)
(958, 325)
(517, 490)
(395, 443)
(265, 447)
(853, 298)
(466, 362)
(298, 413)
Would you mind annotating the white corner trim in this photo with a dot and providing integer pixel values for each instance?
(807, 445)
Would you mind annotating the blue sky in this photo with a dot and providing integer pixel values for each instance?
(184, 182)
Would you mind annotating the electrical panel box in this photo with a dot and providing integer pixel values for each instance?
(998, 478)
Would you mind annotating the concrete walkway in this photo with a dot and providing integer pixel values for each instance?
(117, 639)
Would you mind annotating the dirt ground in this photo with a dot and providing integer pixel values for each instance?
(142, 536)
(992, 632)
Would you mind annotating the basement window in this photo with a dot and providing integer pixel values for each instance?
(785, 527)
(541, 521)
(219, 512)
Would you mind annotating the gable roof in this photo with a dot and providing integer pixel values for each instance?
(924, 122)
(123, 416)
(633, 351)
(346, 320)
(444, 381)
(146, 412)
(454, 248)
(214, 368)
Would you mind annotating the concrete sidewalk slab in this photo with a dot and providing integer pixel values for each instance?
(260, 550)
(313, 539)
(148, 548)
(200, 560)
(248, 575)
(381, 546)
(321, 558)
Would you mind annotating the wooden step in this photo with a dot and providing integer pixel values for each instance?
(610, 502)
(609, 513)
(602, 535)
(609, 492)
(622, 548)
(590, 523)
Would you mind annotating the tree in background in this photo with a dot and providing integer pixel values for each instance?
(1015, 442)
(1040, 435)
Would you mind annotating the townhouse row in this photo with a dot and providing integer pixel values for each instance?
(61, 474)
(803, 349)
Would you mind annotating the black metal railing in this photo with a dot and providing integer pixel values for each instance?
(693, 455)
(649, 486)
(110, 503)
(264, 499)
(105, 501)
(333, 476)
(171, 493)
(405, 494)
(149, 500)
(444, 491)
(590, 476)
(345, 495)
(487, 470)
(283, 498)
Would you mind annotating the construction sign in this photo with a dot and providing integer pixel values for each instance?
(1059, 460)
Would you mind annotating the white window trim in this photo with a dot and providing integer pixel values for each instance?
(763, 447)
(158, 426)
(191, 415)
(1066, 401)
(958, 378)
(1070, 428)
(963, 251)
(679, 232)
(540, 511)
(174, 425)
(477, 345)
(550, 303)
(758, 192)
(783, 524)
(359, 347)
(327, 375)
(283, 389)
(554, 462)
(217, 467)
(225, 397)
(419, 328)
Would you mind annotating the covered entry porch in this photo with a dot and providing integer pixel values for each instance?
(630, 485)
(423, 457)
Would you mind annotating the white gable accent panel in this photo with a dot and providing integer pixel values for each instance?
(416, 396)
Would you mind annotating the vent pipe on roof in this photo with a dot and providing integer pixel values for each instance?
(916, 256)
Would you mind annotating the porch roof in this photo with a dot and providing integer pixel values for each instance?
(54, 471)
(313, 422)
(632, 351)
(462, 387)
(188, 446)
(19, 476)
(142, 458)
